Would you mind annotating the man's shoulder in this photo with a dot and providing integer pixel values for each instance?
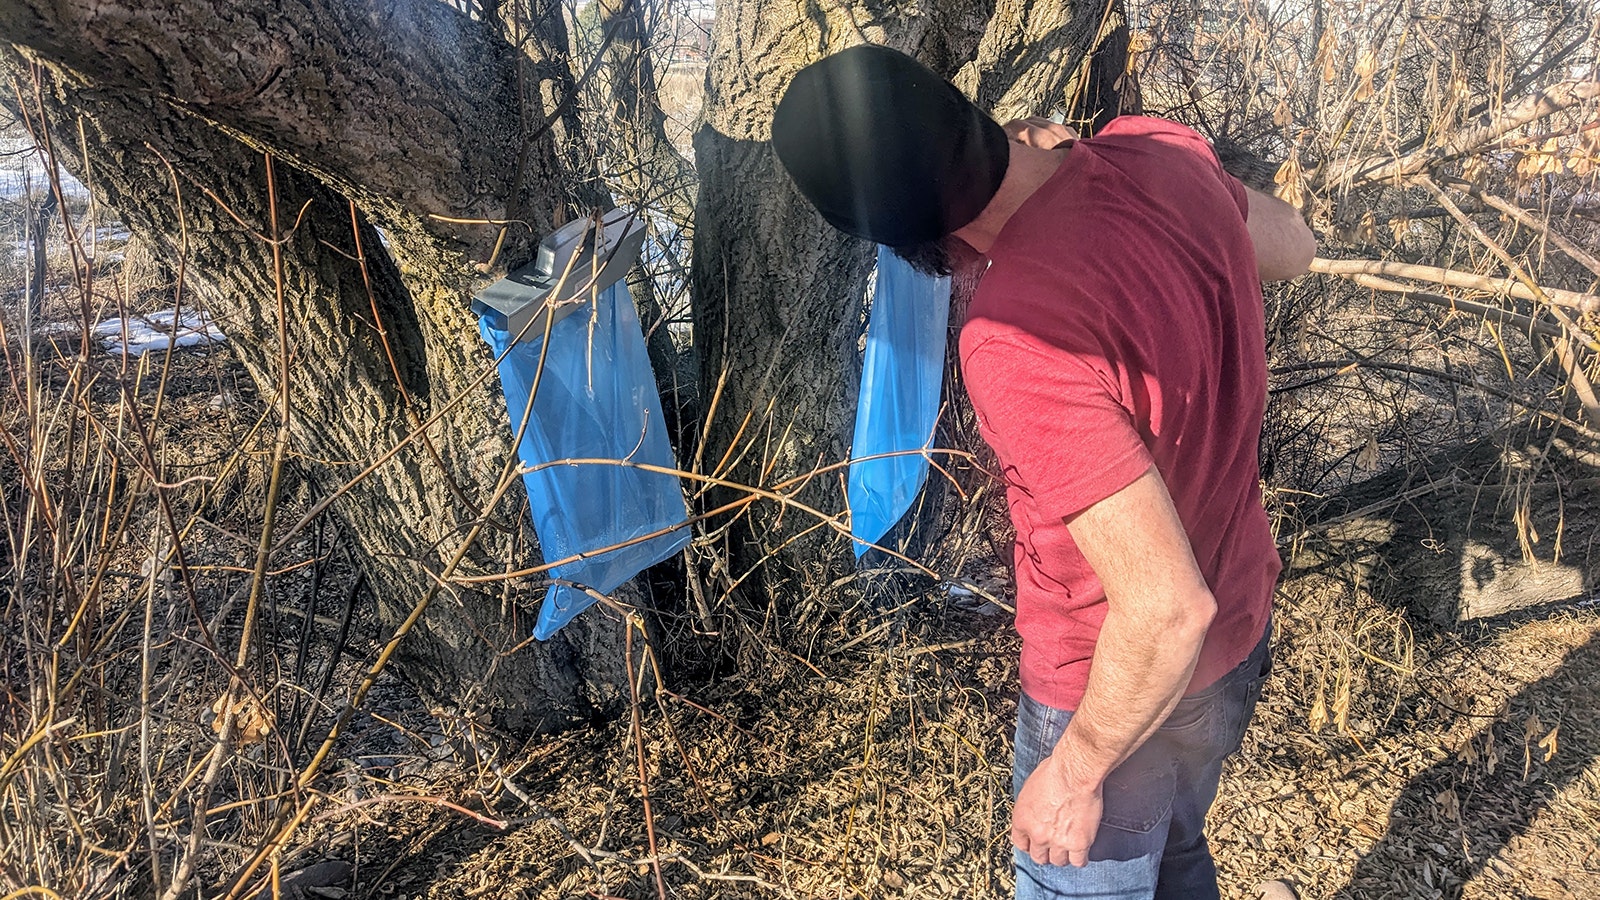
(1166, 139)
(1124, 127)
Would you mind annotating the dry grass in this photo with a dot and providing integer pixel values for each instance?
(1390, 757)
(888, 775)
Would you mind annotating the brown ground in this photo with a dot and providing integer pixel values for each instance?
(887, 774)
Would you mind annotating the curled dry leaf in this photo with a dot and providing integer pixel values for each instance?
(1367, 458)
(1318, 717)
(1548, 744)
(1449, 803)
(1341, 706)
(251, 722)
(1326, 48)
(1366, 66)
(1280, 114)
(1288, 179)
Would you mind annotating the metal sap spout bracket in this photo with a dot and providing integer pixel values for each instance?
(575, 262)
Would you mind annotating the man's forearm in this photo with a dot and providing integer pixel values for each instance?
(1141, 667)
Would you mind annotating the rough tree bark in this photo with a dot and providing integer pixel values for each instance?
(779, 295)
(422, 116)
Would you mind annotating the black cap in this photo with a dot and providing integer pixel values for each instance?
(885, 148)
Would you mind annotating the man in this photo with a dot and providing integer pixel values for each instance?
(1114, 354)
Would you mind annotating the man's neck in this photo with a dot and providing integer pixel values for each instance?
(1029, 169)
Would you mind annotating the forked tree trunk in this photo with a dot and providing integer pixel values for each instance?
(779, 295)
(465, 157)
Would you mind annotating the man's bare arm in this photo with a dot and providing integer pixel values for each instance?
(1284, 243)
(1158, 608)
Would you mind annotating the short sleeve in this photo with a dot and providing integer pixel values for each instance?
(1237, 192)
(1062, 437)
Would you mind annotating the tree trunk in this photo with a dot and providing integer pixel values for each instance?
(1055, 56)
(407, 106)
(364, 99)
(778, 293)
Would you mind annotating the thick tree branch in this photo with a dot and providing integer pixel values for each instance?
(404, 104)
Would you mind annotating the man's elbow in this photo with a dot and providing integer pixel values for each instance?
(1186, 619)
(1284, 244)
(1198, 614)
(1293, 249)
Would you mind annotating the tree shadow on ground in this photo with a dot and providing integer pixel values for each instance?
(1458, 814)
(1466, 549)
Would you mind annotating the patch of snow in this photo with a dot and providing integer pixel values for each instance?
(141, 334)
(23, 175)
(55, 329)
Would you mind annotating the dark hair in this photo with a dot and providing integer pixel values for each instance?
(940, 256)
(929, 257)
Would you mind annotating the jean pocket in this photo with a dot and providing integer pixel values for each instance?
(1191, 714)
(1138, 798)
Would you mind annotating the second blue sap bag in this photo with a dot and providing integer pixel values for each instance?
(901, 378)
(597, 400)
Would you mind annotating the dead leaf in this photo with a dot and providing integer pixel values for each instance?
(251, 723)
(1530, 730)
(1449, 803)
(1288, 180)
(1319, 711)
(1325, 52)
(1367, 459)
(1281, 115)
(1366, 67)
(1367, 231)
(1548, 744)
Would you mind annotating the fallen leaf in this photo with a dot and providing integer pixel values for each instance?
(251, 723)
(1367, 458)
(1450, 803)
(1548, 744)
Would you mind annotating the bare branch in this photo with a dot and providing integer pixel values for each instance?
(1494, 313)
(1528, 220)
(1583, 303)
(1472, 137)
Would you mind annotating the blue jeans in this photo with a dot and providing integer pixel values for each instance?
(1151, 842)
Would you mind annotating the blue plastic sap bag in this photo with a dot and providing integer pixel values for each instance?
(901, 377)
(597, 400)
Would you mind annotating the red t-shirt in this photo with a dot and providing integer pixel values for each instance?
(1120, 324)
